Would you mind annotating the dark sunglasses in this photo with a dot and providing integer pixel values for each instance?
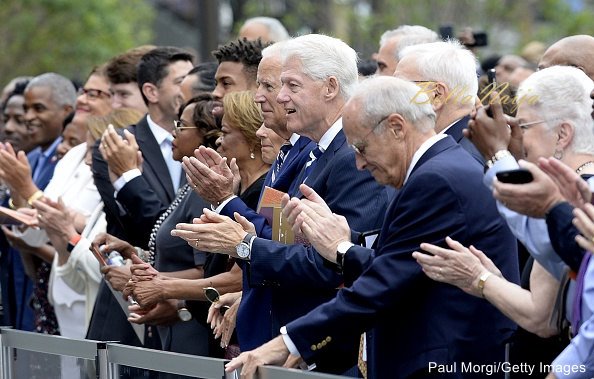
(213, 296)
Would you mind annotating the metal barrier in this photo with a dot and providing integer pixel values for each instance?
(107, 359)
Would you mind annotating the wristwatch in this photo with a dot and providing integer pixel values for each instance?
(72, 242)
(341, 251)
(182, 312)
(244, 249)
(481, 283)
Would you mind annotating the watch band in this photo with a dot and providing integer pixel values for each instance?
(498, 156)
(481, 283)
(72, 242)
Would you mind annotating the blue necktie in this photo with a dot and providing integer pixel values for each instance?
(309, 165)
(280, 159)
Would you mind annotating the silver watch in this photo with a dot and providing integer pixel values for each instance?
(243, 250)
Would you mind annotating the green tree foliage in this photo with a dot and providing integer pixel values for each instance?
(68, 36)
(509, 23)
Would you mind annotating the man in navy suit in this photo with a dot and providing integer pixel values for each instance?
(318, 75)
(139, 197)
(420, 328)
(446, 72)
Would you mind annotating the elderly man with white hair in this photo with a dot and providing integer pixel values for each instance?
(268, 29)
(445, 71)
(420, 328)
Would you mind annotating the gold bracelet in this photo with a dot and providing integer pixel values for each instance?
(36, 196)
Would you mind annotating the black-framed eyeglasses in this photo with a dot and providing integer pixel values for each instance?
(179, 125)
(213, 296)
(93, 93)
(359, 147)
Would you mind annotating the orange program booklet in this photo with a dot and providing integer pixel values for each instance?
(270, 208)
(11, 217)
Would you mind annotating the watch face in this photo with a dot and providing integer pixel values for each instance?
(184, 314)
(243, 250)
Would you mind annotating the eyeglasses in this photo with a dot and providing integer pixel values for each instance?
(213, 296)
(359, 147)
(93, 94)
(527, 125)
(178, 125)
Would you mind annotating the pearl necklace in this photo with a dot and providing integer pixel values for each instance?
(582, 167)
(152, 240)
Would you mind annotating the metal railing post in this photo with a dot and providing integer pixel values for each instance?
(6, 358)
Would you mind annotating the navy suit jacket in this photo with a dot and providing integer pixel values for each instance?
(144, 198)
(254, 323)
(416, 320)
(456, 132)
(300, 279)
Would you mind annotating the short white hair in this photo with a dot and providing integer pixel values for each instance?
(323, 56)
(382, 95)
(562, 94)
(448, 62)
(62, 89)
(276, 30)
(409, 30)
(273, 50)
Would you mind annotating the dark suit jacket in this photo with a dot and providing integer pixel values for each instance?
(300, 279)
(416, 320)
(562, 233)
(456, 132)
(254, 323)
(144, 198)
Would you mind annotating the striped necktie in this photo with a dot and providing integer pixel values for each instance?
(313, 157)
(280, 159)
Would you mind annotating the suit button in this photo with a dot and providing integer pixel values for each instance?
(314, 348)
(328, 339)
(320, 346)
(324, 343)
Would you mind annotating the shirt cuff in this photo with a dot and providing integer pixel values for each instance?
(503, 164)
(124, 179)
(222, 205)
(289, 342)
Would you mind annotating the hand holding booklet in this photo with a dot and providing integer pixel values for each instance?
(11, 217)
(270, 208)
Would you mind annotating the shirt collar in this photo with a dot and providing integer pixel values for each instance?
(328, 137)
(294, 138)
(158, 131)
(422, 150)
(449, 126)
(51, 150)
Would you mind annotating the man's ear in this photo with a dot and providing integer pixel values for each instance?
(395, 123)
(151, 92)
(332, 88)
(440, 97)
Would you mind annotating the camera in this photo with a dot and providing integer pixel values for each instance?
(467, 37)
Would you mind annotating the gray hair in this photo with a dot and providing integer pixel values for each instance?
(447, 62)
(276, 30)
(383, 95)
(322, 57)
(409, 30)
(562, 94)
(62, 89)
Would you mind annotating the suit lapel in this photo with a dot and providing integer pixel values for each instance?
(154, 164)
(438, 147)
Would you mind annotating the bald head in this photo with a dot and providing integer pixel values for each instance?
(577, 51)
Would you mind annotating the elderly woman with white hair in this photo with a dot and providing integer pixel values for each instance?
(555, 120)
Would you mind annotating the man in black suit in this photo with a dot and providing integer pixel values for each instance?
(420, 328)
(140, 196)
(446, 72)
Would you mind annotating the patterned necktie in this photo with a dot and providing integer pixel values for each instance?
(576, 318)
(361, 362)
(280, 159)
(313, 156)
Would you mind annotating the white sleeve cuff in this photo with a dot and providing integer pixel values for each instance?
(289, 342)
(225, 202)
(125, 178)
